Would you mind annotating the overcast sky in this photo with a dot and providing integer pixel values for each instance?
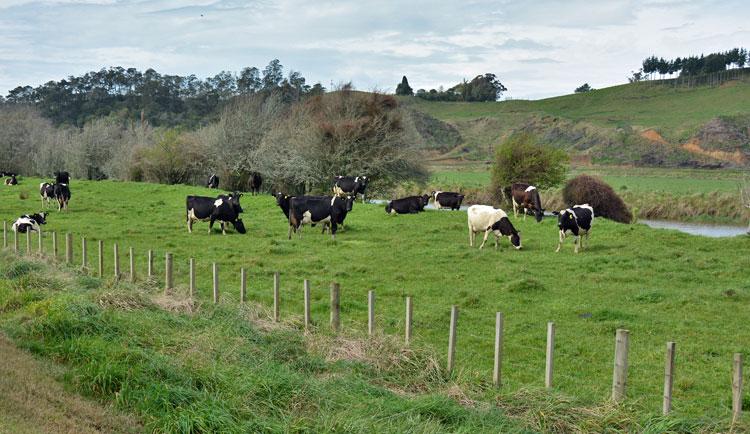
(537, 48)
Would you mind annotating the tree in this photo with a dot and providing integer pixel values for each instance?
(635, 76)
(403, 88)
(584, 88)
(249, 81)
(521, 158)
(273, 74)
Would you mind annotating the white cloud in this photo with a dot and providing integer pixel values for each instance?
(538, 49)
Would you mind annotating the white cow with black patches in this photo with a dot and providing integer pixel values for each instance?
(483, 218)
(576, 221)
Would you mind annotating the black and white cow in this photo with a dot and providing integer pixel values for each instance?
(12, 180)
(354, 185)
(483, 218)
(61, 192)
(62, 177)
(31, 222)
(328, 211)
(46, 192)
(447, 199)
(225, 208)
(576, 220)
(526, 197)
(255, 182)
(407, 205)
(213, 181)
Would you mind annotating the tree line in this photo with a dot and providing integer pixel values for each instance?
(162, 99)
(486, 87)
(691, 65)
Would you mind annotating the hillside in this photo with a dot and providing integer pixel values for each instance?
(647, 123)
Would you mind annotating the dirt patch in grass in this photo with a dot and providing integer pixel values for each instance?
(35, 402)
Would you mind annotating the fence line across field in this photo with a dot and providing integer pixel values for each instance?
(621, 344)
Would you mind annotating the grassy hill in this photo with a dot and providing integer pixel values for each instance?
(617, 124)
(188, 365)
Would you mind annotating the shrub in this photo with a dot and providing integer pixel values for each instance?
(597, 193)
(521, 158)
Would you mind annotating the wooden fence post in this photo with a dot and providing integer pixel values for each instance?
(407, 326)
(100, 264)
(452, 339)
(15, 241)
(131, 262)
(276, 295)
(335, 307)
(150, 265)
(84, 254)
(5, 234)
(370, 312)
(620, 374)
(549, 366)
(167, 271)
(497, 368)
(243, 285)
(116, 260)
(668, 379)
(41, 243)
(215, 269)
(54, 244)
(28, 242)
(68, 248)
(737, 388)
(191, 276)
(307, 303)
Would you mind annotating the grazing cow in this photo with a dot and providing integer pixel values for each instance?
(46, 192)
(407, 205)
(224, 208)
(29, 222)
(483, 218)
(255, 182)
(526, 196)
(12, 180)
(61, 192)
(353, 185)
(62, 177)
(447, 199)
(576, 220)
(213, 181)
(330, 211)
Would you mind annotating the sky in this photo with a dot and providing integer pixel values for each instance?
(537, 48)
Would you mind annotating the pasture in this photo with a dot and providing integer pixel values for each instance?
(661, 285)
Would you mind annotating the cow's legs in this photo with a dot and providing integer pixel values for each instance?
(289, 234)
(223, 228)
(190, 225)
(471, 237)
(496, 240)
(211, 224)
(515, 207)
(334, 227)
(559, 244)
(525, 211)
(486, 234)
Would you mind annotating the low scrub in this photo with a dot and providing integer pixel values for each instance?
(585, 189)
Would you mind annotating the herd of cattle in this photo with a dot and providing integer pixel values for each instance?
(331, 211)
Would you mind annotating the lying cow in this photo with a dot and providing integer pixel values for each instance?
(407, 205)
(483, 218)
(31, 223)
(447, 199)
(576, 220)
(224, 208)
(46, 192)
(353, 185)
(213, 181)
(328, 211)
(12, 180)
(526, 197)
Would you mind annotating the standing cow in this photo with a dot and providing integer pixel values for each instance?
(213, 181)
(576, 220)
(483, 218)
(526, 197)
(447, 199)
(328, 211)
(255, 182)
(224, 208)
(46, 192)
(354, 185)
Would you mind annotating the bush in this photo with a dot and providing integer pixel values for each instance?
(597, 193)
(520, 158)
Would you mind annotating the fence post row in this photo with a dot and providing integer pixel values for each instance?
(497, 368)
(370, 312)
(276, 295)
(150, 264)
(550, 355)
(54, 244)
(452, 339)
(243, 285)
(15, 241)
(167, 271)
(5, 234)
(668, 378)
(100, 265)
(131, 261)
(41, 243)
(116, 260)
(84, 254)
(191, 274)
(307, 303)
(407, 325)
(335, 313)
(68, 248)
(620, 374)
(28, 241)
(215, 270)
(737, 388)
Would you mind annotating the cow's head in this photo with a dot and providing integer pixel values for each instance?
(281, 198)
(565, 219)
(239, 226)
(39, 218)
(234, 200)
(349, 203)
(539, 213)
(515, 239)
(425, 199)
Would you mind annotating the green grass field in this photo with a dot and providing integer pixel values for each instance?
(661, 285)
